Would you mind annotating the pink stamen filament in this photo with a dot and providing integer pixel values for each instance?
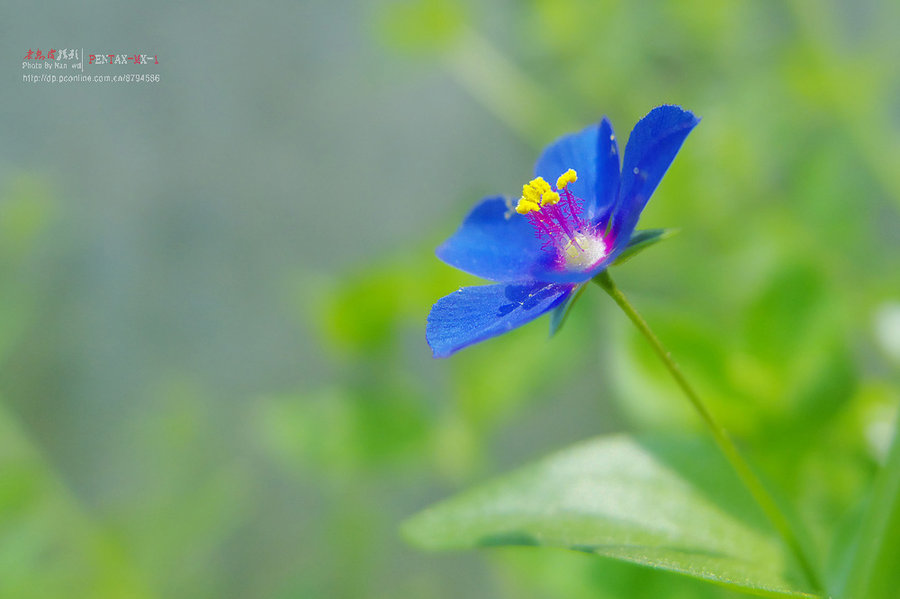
(573, 208)
(560, 218)
(538, 224)
(562, 226)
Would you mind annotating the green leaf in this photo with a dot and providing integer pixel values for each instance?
(669, 504)
(640, 241)
(874, 573)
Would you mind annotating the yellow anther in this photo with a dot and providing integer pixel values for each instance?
(531, 194)
(525, 206)
(536, 193)
(549, 198)
(570, 176)
(540, 185)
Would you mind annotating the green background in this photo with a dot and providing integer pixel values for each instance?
(213, 290)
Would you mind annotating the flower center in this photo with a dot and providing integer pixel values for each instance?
(584, 251)
(576, 243)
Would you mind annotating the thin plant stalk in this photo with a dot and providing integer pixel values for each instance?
(723, 439)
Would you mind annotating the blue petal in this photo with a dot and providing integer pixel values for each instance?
(550, 274)
(474, 314)
(594, 154)
(494, 242)
(652, 145)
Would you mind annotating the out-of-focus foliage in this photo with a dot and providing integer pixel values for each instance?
(126, 471)
(872, 572)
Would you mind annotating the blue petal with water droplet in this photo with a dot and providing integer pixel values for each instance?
(652, 145)
(474, 314)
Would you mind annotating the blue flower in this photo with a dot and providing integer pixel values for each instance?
(556, 238)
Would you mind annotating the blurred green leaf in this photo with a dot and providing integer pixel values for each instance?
(874, 573)
(420, 25)
(773, 357)
(783, 317)
(337, 430)
(363, 313)
(26, 206)
(669, 504)
(493, 379)
(640, 241)
(50, 546)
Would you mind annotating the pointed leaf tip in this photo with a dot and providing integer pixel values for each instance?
(640, 241)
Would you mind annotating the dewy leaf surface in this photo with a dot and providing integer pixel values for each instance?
(664, 503)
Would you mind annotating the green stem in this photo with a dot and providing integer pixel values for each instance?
(740, 465)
